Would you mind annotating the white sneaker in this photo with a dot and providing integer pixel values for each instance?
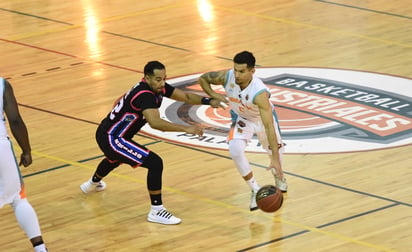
(163, 217)
(280, 183)
(90, 186)
(253, 205)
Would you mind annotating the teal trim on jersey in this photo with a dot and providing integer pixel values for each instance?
(233, 115)
(258, 93)
(227, 79)
(273, 112)
(277, 120)
(15, 160)
(3, 84)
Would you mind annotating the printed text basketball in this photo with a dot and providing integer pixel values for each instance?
(269, 198)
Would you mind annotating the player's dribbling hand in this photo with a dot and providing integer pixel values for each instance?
(276, 165)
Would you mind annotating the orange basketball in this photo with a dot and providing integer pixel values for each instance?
(269, 198)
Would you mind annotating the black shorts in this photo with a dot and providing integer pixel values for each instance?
(122, 150)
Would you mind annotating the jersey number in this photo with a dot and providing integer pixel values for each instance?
(117, 108)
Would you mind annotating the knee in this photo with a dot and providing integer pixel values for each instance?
(233, 152)
(153, 162)
(236, 148)
(18, 202)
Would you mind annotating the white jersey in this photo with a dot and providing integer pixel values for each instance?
(242, 101)
(11, 183)
(3, 130)
(247, 119)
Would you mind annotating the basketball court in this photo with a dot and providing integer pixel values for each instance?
(339, 73)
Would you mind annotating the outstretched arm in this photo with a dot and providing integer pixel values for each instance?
(152, 116)
(192, 98)
(215, 78)
(17, 125)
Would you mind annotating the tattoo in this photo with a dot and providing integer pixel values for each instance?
(215, 77)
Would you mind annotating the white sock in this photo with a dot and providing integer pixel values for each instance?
(26, 217)
(157, 208)
(40, 248)
(253, 184)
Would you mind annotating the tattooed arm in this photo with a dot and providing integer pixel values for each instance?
(215, 78)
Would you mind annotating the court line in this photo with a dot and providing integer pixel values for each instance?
(71, 55)
(315, 27)
(74, 118)
(320, 226)
(35, 16)
(253, 164)
(80, 161)
(73, 26)
(219, 203)
(61, 67)
(300, 176)
(67, 163)
(57, 114)
(364, 9)
(141, 181)
(133, 38)
(219, 155)
(232, 10)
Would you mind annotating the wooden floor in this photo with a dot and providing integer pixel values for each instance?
(69, 60)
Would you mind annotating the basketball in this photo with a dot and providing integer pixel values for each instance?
(269, 198)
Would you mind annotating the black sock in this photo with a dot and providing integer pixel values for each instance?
(35, 244)
(95, 178)
(103, 169)
(156, 199)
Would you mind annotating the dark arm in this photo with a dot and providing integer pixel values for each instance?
(17, 125)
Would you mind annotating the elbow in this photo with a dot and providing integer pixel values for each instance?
(202, 80)
(154, 125)
(16, 122)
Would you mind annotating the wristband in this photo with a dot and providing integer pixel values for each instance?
(206, 100)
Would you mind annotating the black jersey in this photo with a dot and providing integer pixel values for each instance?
(126, 117)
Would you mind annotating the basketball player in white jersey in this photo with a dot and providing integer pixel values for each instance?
(11, 183)
(252, 113)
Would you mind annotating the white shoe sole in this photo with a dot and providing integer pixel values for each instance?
(98, 188)
(160, 222)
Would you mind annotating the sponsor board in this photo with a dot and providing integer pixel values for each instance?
(320, 110)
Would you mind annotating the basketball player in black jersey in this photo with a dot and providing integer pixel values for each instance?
(133, 110)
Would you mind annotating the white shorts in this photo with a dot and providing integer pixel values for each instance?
(244, 129)
(11, 182)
